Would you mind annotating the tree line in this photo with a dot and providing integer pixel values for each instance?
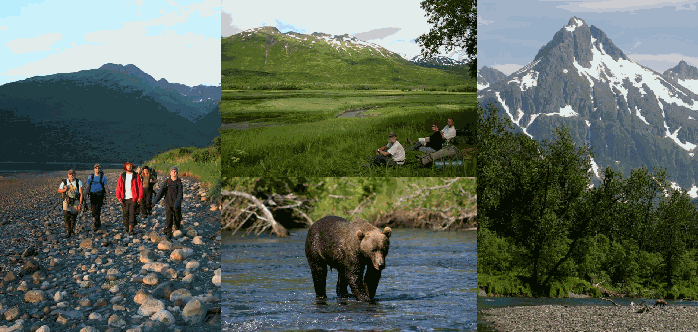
(546, 229)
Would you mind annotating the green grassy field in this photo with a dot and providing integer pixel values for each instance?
(297, 133)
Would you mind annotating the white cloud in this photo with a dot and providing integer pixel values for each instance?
(207, 7)
(508, 68)
(39, 43)
(172, 3)
(482, 21)
(2, 27)
(662, 62)
(601, 6)
(636, 45)
(227, 27)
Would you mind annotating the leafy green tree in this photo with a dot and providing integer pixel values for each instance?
(677, 233)
(454, 27)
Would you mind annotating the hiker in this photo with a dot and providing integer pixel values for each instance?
(149, 181)
(449, 131)
(129, 192)
(97, 190)
(432, 143)
(393, 153)
(173, 191)
(71, 188)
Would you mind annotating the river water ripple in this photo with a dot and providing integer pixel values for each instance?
(429, 284)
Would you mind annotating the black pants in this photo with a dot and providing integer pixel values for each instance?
(70, 220)
(129, 211)
(173, 215)
(381, 160)
(146, 203)
(96, 202)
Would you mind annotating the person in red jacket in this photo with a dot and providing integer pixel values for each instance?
(129, 192)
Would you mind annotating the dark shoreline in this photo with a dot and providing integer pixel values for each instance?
(589, 318)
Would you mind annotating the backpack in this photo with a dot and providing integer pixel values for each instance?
(65, 185)
(101, 182)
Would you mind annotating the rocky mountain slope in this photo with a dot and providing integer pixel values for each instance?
(487, 76)
(631, 115)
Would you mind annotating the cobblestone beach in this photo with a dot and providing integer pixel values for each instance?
(105, 280)
(591, 318)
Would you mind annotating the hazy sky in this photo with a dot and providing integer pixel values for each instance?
(393, 24)
(654, 33)
(174, 39)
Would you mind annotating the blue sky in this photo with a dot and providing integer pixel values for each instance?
(393, 24)
(654, 33)
(174, 39)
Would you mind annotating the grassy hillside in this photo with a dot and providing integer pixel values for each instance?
(202, 163)
(265, 58)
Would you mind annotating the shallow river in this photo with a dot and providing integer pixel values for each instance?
(429, 284)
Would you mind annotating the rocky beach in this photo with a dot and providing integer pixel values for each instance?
(592, 318)
(105, 280)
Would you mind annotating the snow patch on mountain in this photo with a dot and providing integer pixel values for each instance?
(688, 146)
(595, 168)
(693, 192)
(565, 112)
(690, 84)
(526, 82)
(605, 69)
(577, 23)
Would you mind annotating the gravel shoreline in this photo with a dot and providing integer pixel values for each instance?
(105, 280)
(591, 318)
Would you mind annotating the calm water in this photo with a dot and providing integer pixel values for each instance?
(429, 284)
(499, 302)
(9, 167)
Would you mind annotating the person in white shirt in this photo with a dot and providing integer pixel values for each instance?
(449, 131)
(71, 188)
(392, 154)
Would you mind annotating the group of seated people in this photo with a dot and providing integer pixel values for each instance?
(393, 153)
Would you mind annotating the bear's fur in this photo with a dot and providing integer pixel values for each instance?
(348, 247)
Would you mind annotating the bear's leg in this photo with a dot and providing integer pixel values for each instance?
(355, 280)
(319, 272)
(342, 284)
(371, 281)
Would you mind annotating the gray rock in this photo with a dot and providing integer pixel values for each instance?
(194, 312)
(34, 296)
(150, 306)
(164, 317)
(151, 279)
(182, 294)
(116, 321)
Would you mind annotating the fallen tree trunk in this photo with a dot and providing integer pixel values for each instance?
(235, 218)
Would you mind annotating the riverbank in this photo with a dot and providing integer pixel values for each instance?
(591, 318)
(105, 280)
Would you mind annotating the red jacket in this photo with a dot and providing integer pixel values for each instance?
(136, 187)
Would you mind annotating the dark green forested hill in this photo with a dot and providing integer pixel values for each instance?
(98, 115)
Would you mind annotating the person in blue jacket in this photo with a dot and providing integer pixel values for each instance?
(173, 192)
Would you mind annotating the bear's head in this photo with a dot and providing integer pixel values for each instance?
(375, 245)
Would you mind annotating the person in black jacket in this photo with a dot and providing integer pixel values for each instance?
(173, 191)
(433, 144)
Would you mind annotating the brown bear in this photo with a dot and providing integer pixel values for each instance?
(348, 247)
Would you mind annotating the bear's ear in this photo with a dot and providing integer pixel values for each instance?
(360, 235)
(387, 231)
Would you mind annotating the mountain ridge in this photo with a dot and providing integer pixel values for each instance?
(264, 55)
(631, 115)
(98, 114)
